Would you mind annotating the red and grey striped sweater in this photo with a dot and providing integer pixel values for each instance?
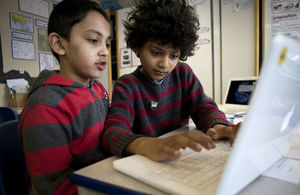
(60, 130)
(141, 107)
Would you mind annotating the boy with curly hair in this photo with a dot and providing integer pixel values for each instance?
(62, 122)
(163, 92)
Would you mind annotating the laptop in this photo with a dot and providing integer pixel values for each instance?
(263, 139)
(238, 94)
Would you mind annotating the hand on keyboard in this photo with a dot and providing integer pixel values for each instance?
(161, 149)
(220, 131)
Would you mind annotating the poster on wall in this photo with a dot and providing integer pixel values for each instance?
(239, 5)
(43, 40)
(286, 18)
(203, 29)
(203, 41)
(125, 57)
(285, 6)
(22, 36)
(22, 50)
(225, 2)
(21, 23)
(46, 61)
(35, 7)
(41, 23)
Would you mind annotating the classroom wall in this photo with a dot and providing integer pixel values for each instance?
(232, 55)
(30, 66)
(237, 42)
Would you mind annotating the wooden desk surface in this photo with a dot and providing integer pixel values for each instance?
(103, 171)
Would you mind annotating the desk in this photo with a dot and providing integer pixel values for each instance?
(101, 178)
(92, 180)
(97, 175)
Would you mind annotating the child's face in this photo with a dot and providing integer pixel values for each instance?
(87, 50)
(157, 60)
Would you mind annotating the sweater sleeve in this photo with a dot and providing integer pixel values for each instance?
(118, 125)
(46, 142)
(203, 110)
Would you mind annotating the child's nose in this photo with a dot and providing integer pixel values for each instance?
(164, 61)
(103, 51)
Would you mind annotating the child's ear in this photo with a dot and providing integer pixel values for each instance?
(56, 43)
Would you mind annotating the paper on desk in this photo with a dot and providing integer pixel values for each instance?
(265, 155)
(285, 169)
(285, 152)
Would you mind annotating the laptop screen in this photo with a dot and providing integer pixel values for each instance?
(272, 120)
(240, 91)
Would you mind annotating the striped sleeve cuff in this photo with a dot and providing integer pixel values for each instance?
(122, 143)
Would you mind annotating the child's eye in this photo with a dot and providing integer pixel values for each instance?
(93, 41)
(174, 56)
(155, 53)
(107, 45)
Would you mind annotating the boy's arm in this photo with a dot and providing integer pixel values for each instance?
(117, 132)
(203, 110)
(47, 152)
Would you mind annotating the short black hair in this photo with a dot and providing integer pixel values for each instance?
(164, 21)
(67, 13)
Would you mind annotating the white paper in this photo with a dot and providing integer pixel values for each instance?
(197, 2)
(22, 36)
(285, 169)
(46, 61)
(264, 156)
(125, 57)
(37, 7)
(17, 85)
(15, 82)
(225, 2)
(23, 50)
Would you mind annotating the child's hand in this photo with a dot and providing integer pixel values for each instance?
(160, 149)
(222, 131)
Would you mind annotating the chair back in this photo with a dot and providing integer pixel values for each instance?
(13, 174)
(7, 114)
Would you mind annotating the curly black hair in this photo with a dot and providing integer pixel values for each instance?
(164, 21)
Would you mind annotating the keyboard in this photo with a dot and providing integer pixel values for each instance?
(197, 169)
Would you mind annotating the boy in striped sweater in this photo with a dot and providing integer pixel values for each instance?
(63, 119)
(162, 93)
